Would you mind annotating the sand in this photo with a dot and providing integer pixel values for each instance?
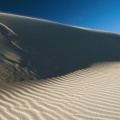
(50, 71)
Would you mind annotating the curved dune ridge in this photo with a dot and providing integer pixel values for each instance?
(81, 67)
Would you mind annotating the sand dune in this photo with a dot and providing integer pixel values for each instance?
(91, 94)
(81, 68)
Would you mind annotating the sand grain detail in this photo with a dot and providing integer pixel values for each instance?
(90, 94)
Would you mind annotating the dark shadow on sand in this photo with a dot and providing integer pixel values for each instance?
(55, 50)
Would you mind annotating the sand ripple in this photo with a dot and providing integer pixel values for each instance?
(89, 94)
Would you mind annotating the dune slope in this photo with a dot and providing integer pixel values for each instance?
(46, 49)
(81, 67)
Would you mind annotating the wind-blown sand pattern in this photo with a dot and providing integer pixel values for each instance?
(50, 71)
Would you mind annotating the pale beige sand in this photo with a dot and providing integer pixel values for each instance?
(91, 94)
(86, 63)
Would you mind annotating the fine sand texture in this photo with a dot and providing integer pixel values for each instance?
(51, 71)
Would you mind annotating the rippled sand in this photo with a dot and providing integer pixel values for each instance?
(87, 88)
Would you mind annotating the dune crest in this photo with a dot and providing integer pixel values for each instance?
(44, 49)
(81, 67)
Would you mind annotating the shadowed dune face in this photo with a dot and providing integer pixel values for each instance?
(12, 57)
(6, 48)
(48, 49)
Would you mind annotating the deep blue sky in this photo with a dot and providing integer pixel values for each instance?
(96, 14)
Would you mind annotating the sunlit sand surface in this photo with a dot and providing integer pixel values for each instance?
(50, 71)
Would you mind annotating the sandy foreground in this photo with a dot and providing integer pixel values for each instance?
(50, 71)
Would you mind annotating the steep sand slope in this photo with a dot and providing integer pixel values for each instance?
(13, 62)
(86, 63)
(48, 49)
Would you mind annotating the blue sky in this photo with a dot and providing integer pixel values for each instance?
(96, 14)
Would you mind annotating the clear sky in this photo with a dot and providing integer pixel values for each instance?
(96, 14)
